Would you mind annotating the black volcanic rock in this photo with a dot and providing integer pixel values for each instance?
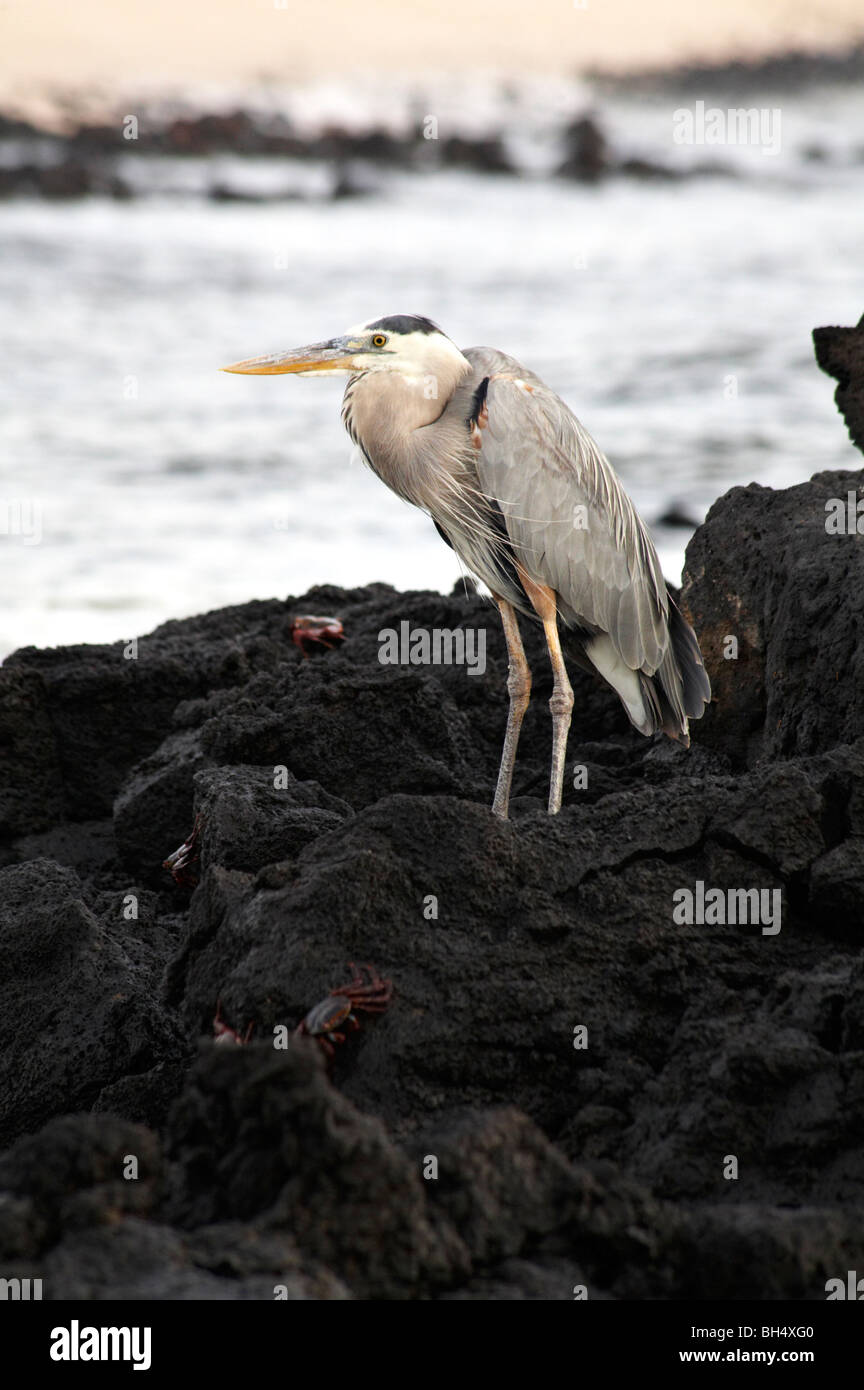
(152, 812)
(236, 132)
(282, 1146)
(648, 170)
(553, 1095)
(251, 817)
(587, 151)
(765, 572)
(840, 353)
(78, 1006)
(482, 156)
(94, 712)
(69, 178)
(794, 70)
(28, 755)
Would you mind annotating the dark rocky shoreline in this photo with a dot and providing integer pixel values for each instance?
(79, 156)
(93, 160)
(558, 1166)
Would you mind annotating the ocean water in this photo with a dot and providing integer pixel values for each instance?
(138, 483)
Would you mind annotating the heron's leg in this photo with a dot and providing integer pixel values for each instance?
(519, 690)
(561, 704)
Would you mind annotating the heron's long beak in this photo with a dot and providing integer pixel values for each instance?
(333, 356)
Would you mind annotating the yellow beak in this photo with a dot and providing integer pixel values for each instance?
(333, 356)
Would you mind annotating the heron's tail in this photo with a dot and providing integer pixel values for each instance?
(679, 690)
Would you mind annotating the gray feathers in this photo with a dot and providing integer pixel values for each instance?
(511, 478)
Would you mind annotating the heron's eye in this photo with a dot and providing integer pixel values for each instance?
(379, 339)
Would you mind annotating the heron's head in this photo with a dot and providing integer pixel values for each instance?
(412, 346)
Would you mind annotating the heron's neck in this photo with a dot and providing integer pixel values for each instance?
(387, 415)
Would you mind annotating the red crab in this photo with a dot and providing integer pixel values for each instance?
(223, 1034)
(368, 996)
(308, 632)
(183, 863)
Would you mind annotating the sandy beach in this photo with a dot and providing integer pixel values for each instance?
(95, 44)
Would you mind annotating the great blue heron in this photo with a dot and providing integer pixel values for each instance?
(521, 492)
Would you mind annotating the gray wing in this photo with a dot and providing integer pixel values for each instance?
(571, 525)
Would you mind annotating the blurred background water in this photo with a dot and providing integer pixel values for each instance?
(674, 318)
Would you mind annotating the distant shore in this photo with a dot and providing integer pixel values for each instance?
(215, 39)
(92, 147)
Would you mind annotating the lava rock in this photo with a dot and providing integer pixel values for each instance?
(153, 812)
(67, 179)
(581, 1060)
(248, 822)
(260, 1133)
(587, 157)
(840, 353)
(30, 764)
(76, 1012)
(75, 1173)
(770, 592)
(481, 156)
